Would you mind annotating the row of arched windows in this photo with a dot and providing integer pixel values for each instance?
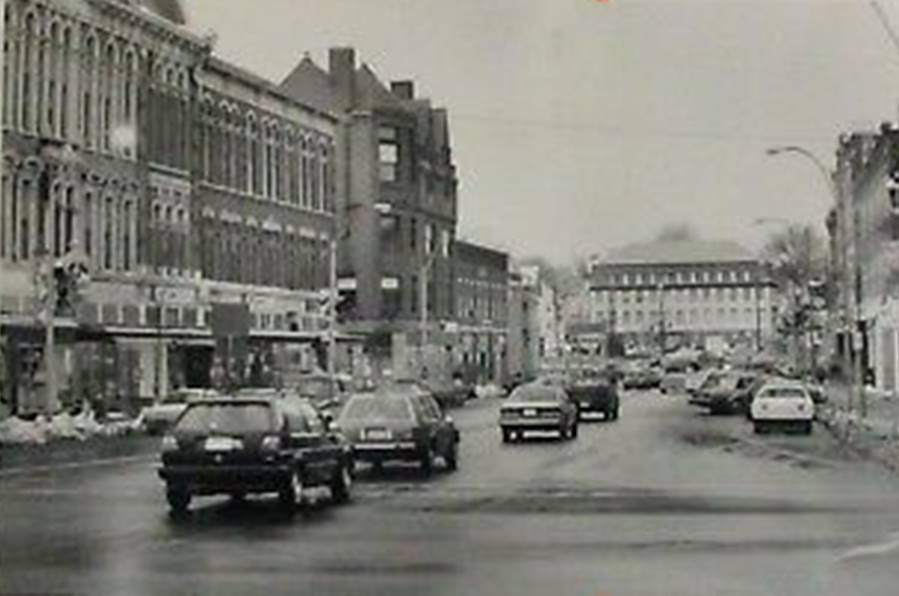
(69, 80)
(262, 158)
(170, 233)
(99, 222)
(248, 254)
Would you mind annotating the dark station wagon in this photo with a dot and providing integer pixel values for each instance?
(249, 445)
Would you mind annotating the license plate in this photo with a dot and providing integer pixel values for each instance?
(222, 444)
(377, 434)
(529, 413)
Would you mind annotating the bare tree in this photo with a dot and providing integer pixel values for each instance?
(796, 255)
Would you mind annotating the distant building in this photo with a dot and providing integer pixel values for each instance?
(482, 310)
(522, 351)
(687, 292)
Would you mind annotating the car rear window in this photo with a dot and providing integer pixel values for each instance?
(375, 406)
(532, 393)
(782, 392)
(226, 418)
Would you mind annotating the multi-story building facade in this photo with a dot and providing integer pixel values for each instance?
(481, 310)
(696, 291)
(400, 210)
(548, 316)
(864, 229)
(118, 128)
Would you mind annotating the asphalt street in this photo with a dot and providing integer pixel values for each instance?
(664, 501)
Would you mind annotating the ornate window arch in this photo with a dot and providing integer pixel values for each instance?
(30, 35)
(253, 150)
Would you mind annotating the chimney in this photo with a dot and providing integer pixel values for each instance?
(403, 89)
(342, 68)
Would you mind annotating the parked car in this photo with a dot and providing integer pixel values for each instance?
(595, 394)
(250, 445)
(643, 378)
(783, 403)
(743, 397)
(160, 416)
(673, 383)
(725, 396)
(400, 422)
(538, 407)
(699, 396)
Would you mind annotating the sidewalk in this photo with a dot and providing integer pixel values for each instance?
(875, 436)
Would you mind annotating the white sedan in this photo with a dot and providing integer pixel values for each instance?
(782, 404)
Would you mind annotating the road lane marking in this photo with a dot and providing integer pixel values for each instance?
(872, 550)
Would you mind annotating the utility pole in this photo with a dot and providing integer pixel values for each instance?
(758, 309)
(332, 311)
(424, 272)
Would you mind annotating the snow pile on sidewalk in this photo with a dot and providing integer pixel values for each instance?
(875, 436)
(80, 427)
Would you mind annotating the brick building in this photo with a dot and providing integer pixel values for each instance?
(864, 232)
(399, 184)
(687, 291)
(481, 310)
(126, 142)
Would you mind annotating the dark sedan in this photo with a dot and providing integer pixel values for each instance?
(245, 445)
(400, 422)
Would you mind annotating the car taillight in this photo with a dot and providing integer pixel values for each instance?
(169, 443)
(270, 443)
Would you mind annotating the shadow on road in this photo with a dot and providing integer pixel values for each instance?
(251, 513)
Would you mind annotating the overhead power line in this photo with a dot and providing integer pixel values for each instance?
(597, 129)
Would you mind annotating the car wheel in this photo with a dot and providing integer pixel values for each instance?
(291, 494)
(615, 414)
(573, 433)
(807, 427)
(178, 498)
(342, 485)
(426, 462)
(507, 435)
(758, 427)
(563, 432)
(452, 457)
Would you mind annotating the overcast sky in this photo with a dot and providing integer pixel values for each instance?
(580, 125)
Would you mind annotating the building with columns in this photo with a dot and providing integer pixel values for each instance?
(182, 181)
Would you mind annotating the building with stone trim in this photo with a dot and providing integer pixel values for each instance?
(183, 181)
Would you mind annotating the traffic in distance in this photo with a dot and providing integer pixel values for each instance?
(313, 438)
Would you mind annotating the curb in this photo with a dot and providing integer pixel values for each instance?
(66, 452)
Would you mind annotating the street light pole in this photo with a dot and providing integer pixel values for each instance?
(332, 313)
(852, 294)
(424, 272)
